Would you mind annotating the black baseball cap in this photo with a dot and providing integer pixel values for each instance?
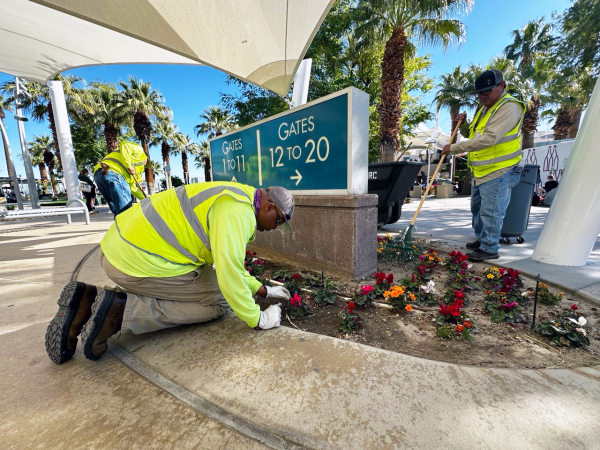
(488, 80)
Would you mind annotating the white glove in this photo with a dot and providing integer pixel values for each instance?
(278, 292)
(270, 317)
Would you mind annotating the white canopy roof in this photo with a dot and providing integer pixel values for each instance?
(260, 41)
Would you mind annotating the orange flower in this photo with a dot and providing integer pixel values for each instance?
(408, 308)
(467, 324)
(459, 328)
(412, 296)
(431, 258)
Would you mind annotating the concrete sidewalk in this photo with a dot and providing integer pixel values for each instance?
(223, 385)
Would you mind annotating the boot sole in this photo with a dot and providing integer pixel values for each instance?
(94, 325)
(484, 259)
(57, 333)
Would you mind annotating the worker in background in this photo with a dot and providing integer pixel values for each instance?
(494, 158)
(177, 258)
(88, 189)
(117, 173)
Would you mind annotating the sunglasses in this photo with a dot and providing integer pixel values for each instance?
(488, 91)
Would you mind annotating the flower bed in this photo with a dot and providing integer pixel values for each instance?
(440, 306)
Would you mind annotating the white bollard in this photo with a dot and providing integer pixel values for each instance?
(573, 222)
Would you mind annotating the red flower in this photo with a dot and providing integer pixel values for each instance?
(464, 257)
(260, 262)
(501, 271)
(350, 307)
(444, 310)
(380, 276)
(390, 278)
(296, 276)
(366, 290)
(412, 278)
(248, 253)
(458, 294)
(574, 307)
(296, 300)
(452, 254)
(249, 269)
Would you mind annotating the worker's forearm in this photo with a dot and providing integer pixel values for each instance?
(262, 292)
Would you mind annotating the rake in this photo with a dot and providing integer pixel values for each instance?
(406, 237)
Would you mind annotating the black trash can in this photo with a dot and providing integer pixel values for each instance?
(392, 181)
(517, 213)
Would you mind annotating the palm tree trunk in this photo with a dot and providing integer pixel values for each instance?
(52, 182)
(563, 124)
(207, 176)
(392, 79)
(576, 118)
(54, 133)
(142, 128)
(166, 156)
(530, 121)
(184, 163)
(43, 175)
(110, 135)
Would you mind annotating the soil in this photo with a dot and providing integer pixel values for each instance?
(414, 333)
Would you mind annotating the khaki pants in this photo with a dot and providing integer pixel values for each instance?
(158, 303)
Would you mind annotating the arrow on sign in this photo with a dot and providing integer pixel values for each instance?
(233, 180)
(298, 177)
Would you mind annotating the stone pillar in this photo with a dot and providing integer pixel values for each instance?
(334, 233)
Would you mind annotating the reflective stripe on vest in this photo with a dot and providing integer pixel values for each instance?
(187, 206)
(505, 152)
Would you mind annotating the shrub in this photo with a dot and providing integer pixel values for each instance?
(325, 295)
(568, 329)
(399, 298)
(365, 297)
(299, 309)
(502, 310)
(350, 321)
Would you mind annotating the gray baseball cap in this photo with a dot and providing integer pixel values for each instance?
(285, 202)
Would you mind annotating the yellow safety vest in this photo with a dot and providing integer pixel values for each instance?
(506, 153)
(129, 154)
(171, 225)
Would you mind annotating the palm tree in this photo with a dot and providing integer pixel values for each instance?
(453, 94)
(202, 156)
(145, 103)
(6, 105)
(530, 52)
(108, 110)
(164, 134)
(36, 153)
(183, 144)
(215, 122)
(39, 105)
(393, 21)
(42, 147)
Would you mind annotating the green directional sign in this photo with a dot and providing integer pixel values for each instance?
(318, 148)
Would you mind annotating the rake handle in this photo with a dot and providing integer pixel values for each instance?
(437, 169)
(405, 150)
(139, 187)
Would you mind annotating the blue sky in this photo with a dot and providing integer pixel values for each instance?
(188, 90)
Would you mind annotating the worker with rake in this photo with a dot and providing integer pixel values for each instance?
(177, 258)
(494, 158)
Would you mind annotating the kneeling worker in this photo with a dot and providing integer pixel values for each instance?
(179, 258)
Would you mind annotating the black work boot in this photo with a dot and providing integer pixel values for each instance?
(106, 320)
(473, 245)
(480, 255)
(74, 310)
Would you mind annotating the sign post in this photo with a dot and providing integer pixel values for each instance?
(320, 148)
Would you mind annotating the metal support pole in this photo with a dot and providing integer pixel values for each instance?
(12, 165)
(301, 83)
(537, 286)
(33, 195)
(65, 144)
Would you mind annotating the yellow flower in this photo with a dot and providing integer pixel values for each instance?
(408, 308)
(489, 276)
(380, 249)
(431, 258)
(495, 269)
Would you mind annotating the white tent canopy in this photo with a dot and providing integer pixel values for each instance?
(260, 41)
